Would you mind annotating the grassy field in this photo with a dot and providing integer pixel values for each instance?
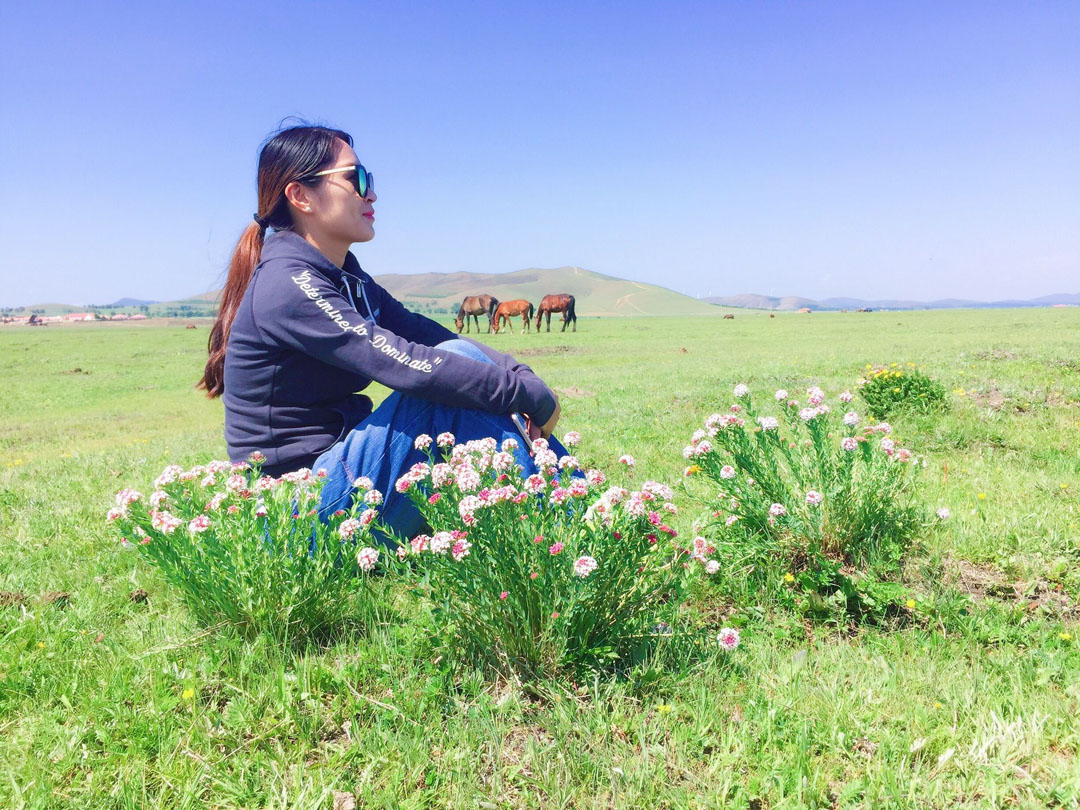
(107, 700)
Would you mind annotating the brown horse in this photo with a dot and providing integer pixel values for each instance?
(564, 303)
(475, 305)
(507, 309)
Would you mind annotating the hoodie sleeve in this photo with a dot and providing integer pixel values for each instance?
(299, 310)
(410, 325)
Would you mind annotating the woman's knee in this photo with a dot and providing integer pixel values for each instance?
(465, 349)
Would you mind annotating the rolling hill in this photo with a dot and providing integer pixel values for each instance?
(596, 293)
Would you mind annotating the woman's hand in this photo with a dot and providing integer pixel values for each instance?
(547, 428)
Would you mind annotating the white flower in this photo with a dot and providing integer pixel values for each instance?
(349, 527)
(768, 422)
(584, 566)
(846, 396)
(366, 558)
(727, 471)
(628, 461)
(572, 439)
(777, 509)
(711, 567)
(445, 439)
(780, 395)
(849, 443)
(741, 390)
(943, 513)
(851, 419)
(422, 442)
(814, 497)
(373, 497)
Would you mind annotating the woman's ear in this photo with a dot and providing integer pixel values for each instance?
(299, 196)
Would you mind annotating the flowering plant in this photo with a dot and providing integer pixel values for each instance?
(805, 492)
(541, 575)
(890, 390)
(249, 549)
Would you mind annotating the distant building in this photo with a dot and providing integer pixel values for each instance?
(120, 316)
(79, 316)
(138, 316)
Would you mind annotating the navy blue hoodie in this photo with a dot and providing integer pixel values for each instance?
(309, 335)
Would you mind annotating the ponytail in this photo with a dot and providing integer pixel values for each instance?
(289, 155)
(244, 258)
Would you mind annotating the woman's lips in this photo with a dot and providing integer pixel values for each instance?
(370, 215)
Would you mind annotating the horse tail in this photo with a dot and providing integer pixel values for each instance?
(493, 304)
(532, 309)
(570, 314)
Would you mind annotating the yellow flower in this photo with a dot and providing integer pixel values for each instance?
(911, 365)
(896, 390)
(937, 704)
(981, 496)
(41, 645)
(959, 392)
(1063, 486)
(892, 365)
(1065, 636)
(789, 577)
(663, 708)
(910, 604)
(693, 469)
(189, 693)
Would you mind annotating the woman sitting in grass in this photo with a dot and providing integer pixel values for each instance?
(302, 328)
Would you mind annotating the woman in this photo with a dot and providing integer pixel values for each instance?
(302, 328)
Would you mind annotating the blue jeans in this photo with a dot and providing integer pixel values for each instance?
(381, 448)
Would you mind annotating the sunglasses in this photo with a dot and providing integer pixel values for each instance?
(360, 178)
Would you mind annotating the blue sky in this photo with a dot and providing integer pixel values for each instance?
(916, 149)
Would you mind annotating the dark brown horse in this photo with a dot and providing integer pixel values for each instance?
(508, 309)
(473, 306)
(564, 303)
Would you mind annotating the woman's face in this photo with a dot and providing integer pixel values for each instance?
(337, 211)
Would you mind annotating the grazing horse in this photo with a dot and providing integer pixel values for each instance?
(564, 303)
(507, 309)
(475, 305)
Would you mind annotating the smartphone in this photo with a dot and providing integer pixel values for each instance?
(523, 429)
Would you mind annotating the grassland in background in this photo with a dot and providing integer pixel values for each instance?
(109, 702)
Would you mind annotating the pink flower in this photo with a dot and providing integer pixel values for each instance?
(943, 513)
(768, 422)
(460, 550)
(435, 498)
(728, 638)
(363, 483)
(568, 463)
(403, 484)
(711, 567)
(584, 566)
(368, 516)
(741, 390)
(535, 483)
(256, 457)
(260, 510)
(780, 395)
(777, 509)
(127, 496)
(814, 498)
(888, 445)
(157, 498)
(572, 439)
(846, 396)
(422, 442)
(504, 594)
(628, 461)
(349, 527)
(509, 445)
(164, 522)
(849, 443)
(467, 478)
(445, 439)
(533, 575)
(851, 419)
(727, 471)
(233, 508)
(114, 513)
(367, 558)
(556, 548)
(373, 497)
(815, 396)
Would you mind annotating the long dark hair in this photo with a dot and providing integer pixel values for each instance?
(288, 155)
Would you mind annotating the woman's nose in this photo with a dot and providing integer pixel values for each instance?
(371, 196)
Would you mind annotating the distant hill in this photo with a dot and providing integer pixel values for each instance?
(130, 302)
(792, 303)
(595, 293)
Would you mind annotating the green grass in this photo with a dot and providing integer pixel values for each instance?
(972, 704)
